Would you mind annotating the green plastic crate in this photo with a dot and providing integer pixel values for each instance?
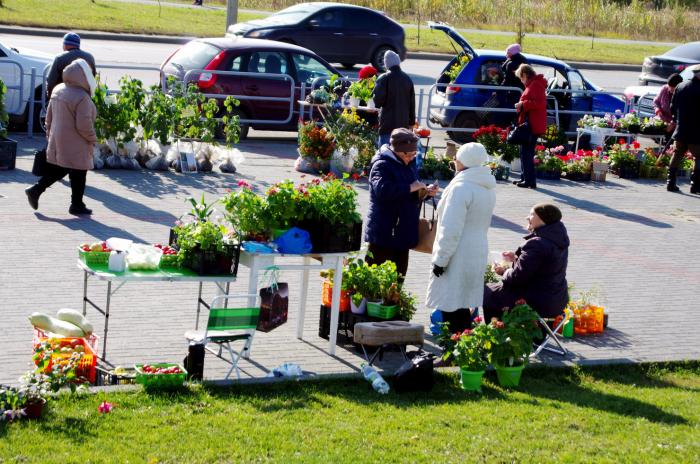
(93, 257)
(160, 380)
(380, 311)
(169, 262)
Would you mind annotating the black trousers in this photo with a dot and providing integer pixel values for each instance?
(397, 256)
(458, 320)
(77, 181)
(527, 158)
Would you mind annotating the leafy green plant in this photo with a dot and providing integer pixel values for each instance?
(283, 205)
(470, 349)
(330, 200)
(116, 120)
(198, 236)
(513, 335)
(245, 210)
(4, 118)
(363, 89)
(201, 211)
(408, 305)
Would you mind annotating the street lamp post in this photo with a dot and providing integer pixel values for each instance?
(231, 13)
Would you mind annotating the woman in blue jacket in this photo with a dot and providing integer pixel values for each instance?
(394, 201)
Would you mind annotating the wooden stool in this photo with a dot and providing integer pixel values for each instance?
(384, 334)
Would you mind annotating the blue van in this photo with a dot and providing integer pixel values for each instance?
(567, 90)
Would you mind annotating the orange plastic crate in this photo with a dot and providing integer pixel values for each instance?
(88, 363)
(40, 337)
(327, 296)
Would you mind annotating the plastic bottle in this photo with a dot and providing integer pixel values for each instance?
(377, 381)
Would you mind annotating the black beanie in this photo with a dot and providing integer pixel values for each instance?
(548, 213)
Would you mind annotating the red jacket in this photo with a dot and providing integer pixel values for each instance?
(534, 100)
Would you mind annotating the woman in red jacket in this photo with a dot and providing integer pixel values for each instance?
(532, 108)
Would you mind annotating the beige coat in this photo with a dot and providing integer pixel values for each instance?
(70, 119)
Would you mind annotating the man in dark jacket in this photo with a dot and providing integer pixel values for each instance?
(394, 94)
(508, 98)
(538, 272)
(71, 52)
(685, 106)
(392, 220)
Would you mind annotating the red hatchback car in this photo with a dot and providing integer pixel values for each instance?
(251, 56)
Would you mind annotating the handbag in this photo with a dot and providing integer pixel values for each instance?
(426, 232)
(415, 374)
(39, 166)
(519, 134)
(274, 301)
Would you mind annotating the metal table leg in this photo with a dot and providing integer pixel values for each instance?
(335, 304)
(85, 280)
(104, 340)
(303, 290)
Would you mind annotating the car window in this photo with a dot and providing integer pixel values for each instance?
(194, 55)
(689, 51)
(2, 54)
(576, 82)
(308, 68)
(239, 63)
(329, 19)
(364, 20)
(490, 73)
(268, 62)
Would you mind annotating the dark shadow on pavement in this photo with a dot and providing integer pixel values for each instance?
(91, 226)
(593, 207)
(501, 223)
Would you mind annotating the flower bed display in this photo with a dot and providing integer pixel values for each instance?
(625, 159)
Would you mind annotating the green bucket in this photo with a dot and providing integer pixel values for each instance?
(568, 330)
(509, 376)
(470, 380)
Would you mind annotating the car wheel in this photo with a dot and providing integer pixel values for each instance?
(467, 121)
(378, 57)
(348, 65)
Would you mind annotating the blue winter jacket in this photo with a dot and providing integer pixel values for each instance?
(392, 219)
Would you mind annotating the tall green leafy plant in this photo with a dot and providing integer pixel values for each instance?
(116, 115)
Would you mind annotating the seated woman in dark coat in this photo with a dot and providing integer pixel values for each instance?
(538, 271)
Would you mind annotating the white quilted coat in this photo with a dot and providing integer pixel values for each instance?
(461, 243)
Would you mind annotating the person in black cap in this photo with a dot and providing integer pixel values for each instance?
(394, 201)
(71, 52)
(537, 272)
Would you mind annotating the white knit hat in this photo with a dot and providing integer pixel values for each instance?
(472, 155)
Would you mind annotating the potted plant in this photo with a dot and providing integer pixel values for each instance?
(10, 404)
(512, 342)
(654, 126)
(630, 122)
(359, 278)
(383, 302)
(330, 214)
(361, 91)
(549, 162)
(470, 351)
(282, 207)
(579, 166)
(245, 211)
(625, 159)
(8, 147)
(316, 145)
(493, 138)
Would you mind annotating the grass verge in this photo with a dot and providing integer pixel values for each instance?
(632, 413)
(103, 15)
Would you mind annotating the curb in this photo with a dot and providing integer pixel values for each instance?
(178, 40)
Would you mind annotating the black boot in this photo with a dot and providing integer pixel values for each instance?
(695, 181)
(79, 210)
(33, 195)
(671, 180)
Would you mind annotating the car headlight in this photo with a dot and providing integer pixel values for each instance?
(257, 34)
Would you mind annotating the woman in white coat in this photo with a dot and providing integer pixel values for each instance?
(460, 251)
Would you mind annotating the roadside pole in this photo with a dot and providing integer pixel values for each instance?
(231, 13)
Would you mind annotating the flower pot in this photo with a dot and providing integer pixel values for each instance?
(509, 376)
(354, 102)
(358, 309)
(370, 103)
(380, 311)
(548, 175)
(35, 410)
(578, 176)
(327, 296)
(8, 154)
(501, 172)
(516, 165)
(333, 238)
(215, 262)
(634, 128)
(629, 171)
(470, 380)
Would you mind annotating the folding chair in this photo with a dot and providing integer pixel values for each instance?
(552, 335)
(228, 325)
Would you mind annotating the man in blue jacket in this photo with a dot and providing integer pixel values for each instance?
(394, 201)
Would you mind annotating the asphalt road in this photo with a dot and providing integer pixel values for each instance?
(120, 58)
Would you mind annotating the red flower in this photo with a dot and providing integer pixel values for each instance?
(355, 176)
(478, 320)
(599, 148)
(244, 184)
(539, 148)
(105, 407)
(621, 141)
(521, 301)
(635, 144)
(367, 72)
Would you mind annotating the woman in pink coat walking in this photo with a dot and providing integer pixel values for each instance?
(70, 129)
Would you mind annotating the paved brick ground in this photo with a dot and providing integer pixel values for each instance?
(630, 238)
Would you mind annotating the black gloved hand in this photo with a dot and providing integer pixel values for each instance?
(438, 270)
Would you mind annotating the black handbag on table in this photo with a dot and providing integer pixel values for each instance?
(519, 134)
(39, 166)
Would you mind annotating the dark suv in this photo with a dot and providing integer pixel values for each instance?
(339, 33)
(257, 57)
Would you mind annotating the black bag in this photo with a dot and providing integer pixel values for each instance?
(39, 166)
(274, 306)
(194, 362)
(520, 134)
(416, 374)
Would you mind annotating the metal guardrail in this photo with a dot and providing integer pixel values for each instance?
(190, 77)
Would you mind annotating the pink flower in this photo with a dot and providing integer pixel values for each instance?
(244, 184)
(478, 320)
(105, 408)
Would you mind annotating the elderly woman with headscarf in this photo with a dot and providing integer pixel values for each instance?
(70, 129)
(537, 271)
(460, 251)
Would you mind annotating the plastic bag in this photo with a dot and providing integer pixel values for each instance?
(157, 163)
(229, 159)
(294, 241)
(143, 258)
(129, 163)
(113, 161)
(342, 162)
(97, 161)
(286, 370)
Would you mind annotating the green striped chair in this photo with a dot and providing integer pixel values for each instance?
(225, 326)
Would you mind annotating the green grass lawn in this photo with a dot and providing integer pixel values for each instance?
(604, 414)
(103, 15)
